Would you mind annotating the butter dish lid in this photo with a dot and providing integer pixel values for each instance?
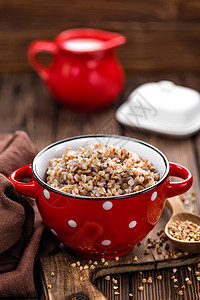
(162, 107)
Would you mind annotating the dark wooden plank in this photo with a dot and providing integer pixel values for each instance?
(161, 289)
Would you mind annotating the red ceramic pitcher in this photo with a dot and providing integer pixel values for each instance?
(84, 74)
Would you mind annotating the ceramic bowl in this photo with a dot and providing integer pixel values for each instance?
(108, 226)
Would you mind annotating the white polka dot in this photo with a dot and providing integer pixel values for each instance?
(46, 194)
(132, 224)
(72, 223)
(153, 196)
(106, 242)
(107, 205)
(54, 232)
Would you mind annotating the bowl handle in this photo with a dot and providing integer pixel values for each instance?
(38, 47)
(178, 188)
(29, 188)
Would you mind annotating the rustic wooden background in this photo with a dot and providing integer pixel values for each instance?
(25, 104)
(163, 38)
(161, 34)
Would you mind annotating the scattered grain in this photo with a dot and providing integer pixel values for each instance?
(82, 278)
(175, 286)
(130, 295)
(180, 293)
(107, 277)
(193, 197)
(116, 293)
(86, 267)
(186, 202)
(182, 197)
(73, 265)
(114, 280)
(186, 279)
(159, 250)
(150, 280)
(183, 287)
(92, 267)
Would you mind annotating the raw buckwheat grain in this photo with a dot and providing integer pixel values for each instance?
(185, 231)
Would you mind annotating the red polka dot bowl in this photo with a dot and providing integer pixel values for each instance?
(107, 226)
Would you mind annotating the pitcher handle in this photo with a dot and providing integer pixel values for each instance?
(24, 188)
(177, 188)
(38, 47)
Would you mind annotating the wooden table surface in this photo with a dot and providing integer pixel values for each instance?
(25, 104)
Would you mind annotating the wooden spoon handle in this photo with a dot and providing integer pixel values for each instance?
(175, 205)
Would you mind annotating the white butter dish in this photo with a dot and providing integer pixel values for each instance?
(162, 107)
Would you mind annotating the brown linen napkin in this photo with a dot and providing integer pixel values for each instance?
(21, 229)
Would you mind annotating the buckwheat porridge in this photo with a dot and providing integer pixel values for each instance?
(101, 171)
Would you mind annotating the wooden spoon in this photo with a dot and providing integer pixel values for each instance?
(179, 213)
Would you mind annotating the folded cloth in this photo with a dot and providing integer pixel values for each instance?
(21, 229)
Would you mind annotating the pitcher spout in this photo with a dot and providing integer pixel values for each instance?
(116, 41)
(89, 40)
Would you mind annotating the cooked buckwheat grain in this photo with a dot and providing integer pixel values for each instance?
(101, 171)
